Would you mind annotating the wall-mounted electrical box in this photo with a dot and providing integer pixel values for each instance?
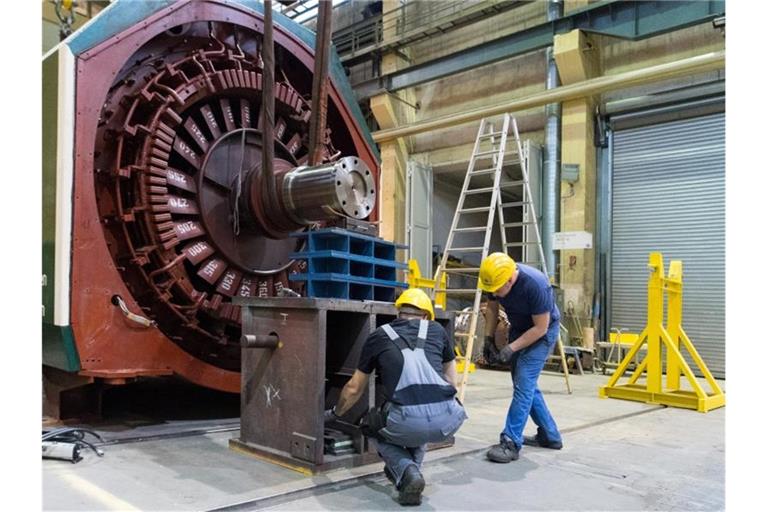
(569, 173)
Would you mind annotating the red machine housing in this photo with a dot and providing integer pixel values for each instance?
(163, 110)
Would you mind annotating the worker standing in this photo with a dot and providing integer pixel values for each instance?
(415, 359)
(529, 302)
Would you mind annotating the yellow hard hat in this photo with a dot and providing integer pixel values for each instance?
(495, 270)
(417, 298)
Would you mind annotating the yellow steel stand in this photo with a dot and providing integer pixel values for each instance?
(416, 281)
(460, 360)
(656, 336)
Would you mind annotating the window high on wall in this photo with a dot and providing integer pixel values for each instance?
(301, 10)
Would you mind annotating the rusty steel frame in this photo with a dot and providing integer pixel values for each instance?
(286, 389)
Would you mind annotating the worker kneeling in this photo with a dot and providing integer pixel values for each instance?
(416, 362)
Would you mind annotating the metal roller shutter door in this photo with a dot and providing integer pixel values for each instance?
(669, 196)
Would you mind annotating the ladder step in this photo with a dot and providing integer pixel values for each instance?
(485, 154)
(475, 210)
(511, 183)
(517, 224)
(520, 244)
(458, 290)
(491, 134)
(472, 229)
(461, 270)
(479, 190)
(465, 249)
(514, 203)
(482, 171)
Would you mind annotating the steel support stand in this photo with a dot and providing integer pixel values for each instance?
(658, 337)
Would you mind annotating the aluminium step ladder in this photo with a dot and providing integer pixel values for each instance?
(484, 177)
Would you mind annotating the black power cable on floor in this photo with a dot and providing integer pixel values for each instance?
(66, 443)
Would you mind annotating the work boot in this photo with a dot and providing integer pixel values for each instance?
(504, 452)
(539, 440)
(411, 486)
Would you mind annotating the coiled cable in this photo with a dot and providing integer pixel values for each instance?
(73, 436)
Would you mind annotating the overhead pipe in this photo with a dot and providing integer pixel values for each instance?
(698, 64)
(550, 182)
(320, 83)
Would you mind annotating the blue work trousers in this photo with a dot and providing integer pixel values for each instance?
(525, 366)
(409, 428)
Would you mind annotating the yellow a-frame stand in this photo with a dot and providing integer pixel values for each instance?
(415, 280)
(656, 336)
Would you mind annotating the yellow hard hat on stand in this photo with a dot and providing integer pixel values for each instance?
(495, 270)
(416, 298)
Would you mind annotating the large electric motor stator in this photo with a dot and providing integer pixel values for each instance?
(173, 216)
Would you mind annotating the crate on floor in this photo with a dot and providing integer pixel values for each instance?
(349, 265)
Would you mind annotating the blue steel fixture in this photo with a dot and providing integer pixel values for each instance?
(348, 265)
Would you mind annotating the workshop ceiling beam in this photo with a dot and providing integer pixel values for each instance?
(627, 20)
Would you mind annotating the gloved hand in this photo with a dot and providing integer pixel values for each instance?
(505, 354)
(330, 415)
(490, 352)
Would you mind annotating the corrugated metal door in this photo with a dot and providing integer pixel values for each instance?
(669, 196)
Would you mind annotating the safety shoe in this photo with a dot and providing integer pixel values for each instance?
(542, 442)
(411, 486)
(504, 452)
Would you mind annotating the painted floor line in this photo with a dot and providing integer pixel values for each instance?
(296, 494)
(105, 498)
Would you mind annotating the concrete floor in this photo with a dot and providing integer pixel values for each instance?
(618, 455)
